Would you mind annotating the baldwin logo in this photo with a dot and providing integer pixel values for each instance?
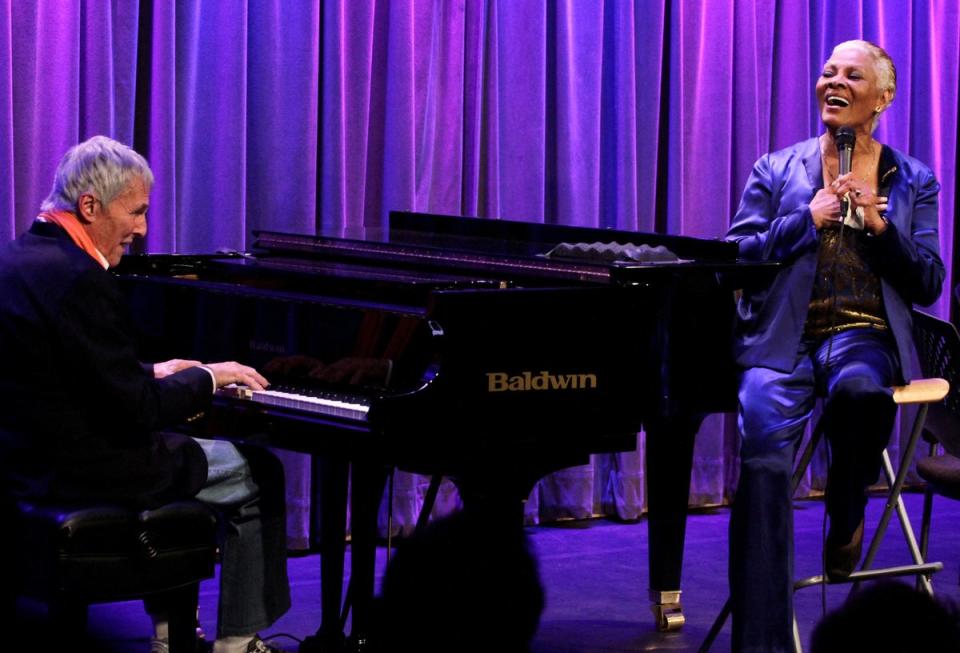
(529, 381)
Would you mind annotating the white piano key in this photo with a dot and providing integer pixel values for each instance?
(352, 408)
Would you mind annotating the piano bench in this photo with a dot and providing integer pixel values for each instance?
(70, 556)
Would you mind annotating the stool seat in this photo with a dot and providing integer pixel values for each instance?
(921, 391)
(110, 553)
(71, 555)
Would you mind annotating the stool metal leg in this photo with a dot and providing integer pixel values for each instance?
(429, 499)
(797, 644)
(927, 511)
(716, 627)
(918, 558)
(894, 495)
(805, 457)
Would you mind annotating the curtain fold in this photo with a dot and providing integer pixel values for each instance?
(8, 205)
(290, 115)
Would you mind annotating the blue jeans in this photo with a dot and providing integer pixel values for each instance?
(854, 373)
(247, 490)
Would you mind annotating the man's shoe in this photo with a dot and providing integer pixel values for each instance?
(842, 559)
(257, 645)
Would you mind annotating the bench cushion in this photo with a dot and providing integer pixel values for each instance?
(109, 553)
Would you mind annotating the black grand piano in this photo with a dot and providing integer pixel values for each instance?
(456, 346)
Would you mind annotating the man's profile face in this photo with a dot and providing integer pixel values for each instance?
(114, 225)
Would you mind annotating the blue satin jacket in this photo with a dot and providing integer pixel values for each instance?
(774, 223)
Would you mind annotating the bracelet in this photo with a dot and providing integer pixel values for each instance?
(886, 225)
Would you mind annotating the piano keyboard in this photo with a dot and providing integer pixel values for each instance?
(327, 403)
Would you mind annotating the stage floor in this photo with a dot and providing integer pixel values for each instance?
(595, 579)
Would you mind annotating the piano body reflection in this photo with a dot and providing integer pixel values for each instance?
(454, 346)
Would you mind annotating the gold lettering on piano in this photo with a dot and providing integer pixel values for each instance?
(269, 347)
(526, 381)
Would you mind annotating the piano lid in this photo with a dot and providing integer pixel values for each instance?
(517, 250)
(514, 236)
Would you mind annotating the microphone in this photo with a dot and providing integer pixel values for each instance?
(845, 138)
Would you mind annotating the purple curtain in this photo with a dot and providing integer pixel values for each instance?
(289, 115)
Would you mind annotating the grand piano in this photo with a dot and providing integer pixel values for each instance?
(456, 346)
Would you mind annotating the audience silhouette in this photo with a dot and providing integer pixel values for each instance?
(465, 583)
(889, 617)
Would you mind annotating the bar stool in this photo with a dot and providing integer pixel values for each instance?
(919, 392)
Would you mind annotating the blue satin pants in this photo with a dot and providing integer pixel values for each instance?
(853, 372)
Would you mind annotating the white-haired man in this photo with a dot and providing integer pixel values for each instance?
(83, 417)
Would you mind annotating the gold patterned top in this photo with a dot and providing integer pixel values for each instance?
(846, 293)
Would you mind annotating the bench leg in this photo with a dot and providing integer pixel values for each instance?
(8, 608)
(68, 619)
(182, 606)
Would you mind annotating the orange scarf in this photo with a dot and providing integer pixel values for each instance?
(69, 223)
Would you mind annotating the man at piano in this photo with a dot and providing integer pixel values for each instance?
(859, 247)
(82, 416)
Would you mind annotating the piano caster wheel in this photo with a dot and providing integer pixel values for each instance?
(667, 611)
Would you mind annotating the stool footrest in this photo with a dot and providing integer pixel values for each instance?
(871, 574)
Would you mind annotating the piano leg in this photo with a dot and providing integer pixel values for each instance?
(366, 491)
(669, 458)
(333, 474)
